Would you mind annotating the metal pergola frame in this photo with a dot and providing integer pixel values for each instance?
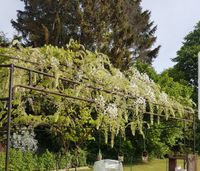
(30, 86)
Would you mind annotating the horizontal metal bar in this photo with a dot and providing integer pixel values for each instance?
(75, 82)
(170, 117)
(4, 99)
(5, 65)
(47, 74)
(35, 71)
(68, 80)
(19, 59)
(54, 93)
(92, 87)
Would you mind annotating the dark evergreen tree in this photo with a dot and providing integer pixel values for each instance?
(119, 28)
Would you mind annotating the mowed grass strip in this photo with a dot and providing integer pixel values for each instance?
(155, 165)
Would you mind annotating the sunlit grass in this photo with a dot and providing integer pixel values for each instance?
(155, 165)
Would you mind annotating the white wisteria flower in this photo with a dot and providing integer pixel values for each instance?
(135, 73)
(140, 101)
(100, 101)
(164, 98)
(54, 62)
(150, 94)
(119, 74)
(112, 110)
(79, 75)
(146, 78)
(133, 85)
(116, 88)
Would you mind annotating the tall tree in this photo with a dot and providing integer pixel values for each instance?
(186, 68)
(118, 28)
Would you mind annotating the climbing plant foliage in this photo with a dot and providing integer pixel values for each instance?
(118, 102)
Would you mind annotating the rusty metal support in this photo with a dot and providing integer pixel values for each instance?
(170, 117)
(76, 82)
(18, 59)
(90, 86)
(30, 87)
(53, 93)
(4, 99)
(9, 115)
(194, 134)
(30, 79)
(5, 65)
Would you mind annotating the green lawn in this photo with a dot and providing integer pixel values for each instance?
(155, 165)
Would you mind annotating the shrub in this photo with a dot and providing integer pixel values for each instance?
(2, 161)
(15, 160)
(82, 158)
(27, 161)
(64, 161)
(46, 161)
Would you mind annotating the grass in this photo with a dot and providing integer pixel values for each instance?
(159, 165)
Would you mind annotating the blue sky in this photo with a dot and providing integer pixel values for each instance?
(174, 18)
(7, 12)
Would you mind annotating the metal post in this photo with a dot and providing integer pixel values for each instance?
(194, 134)
(184, 140)
(9, 115)
(199, 85)
(30, 78)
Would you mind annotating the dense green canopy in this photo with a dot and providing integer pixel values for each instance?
(129, 95)
(187, 58)
(186, 68)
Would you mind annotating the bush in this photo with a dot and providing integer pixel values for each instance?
(64, 160)
(46, 161)
(82, 158)
(79, 158)
(29, 161)
(16, 160)
(2, 161)
(25, 160)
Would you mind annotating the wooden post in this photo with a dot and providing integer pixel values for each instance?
(191, 162)
(172, 164)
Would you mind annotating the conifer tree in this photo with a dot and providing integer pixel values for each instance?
(119, 28)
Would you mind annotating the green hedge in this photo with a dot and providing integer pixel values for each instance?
(28, 161)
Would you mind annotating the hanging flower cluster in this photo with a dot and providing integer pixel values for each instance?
(120, 99)
(111, 111)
